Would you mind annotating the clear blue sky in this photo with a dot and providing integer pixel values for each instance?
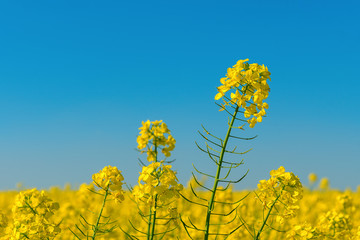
(78, 77)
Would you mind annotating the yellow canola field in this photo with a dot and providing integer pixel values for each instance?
(334, 214)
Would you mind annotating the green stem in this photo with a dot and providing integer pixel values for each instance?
(149, 224)
(266, 218)
(156, 151)
(216, 180)
(152, 214)
(153, 220)
(29, 206)
(96, 227)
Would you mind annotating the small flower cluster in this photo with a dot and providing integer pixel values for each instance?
(324, 184)
(31, 215)
(337, 222)
(3, 224)
(251, 89)
(110, 179)
(282, 191)
(173, 214)
(345, 203)
(156, 132)
(312, 178)
(303, 232)
(157, 180)
(3, 220)
(157, 183)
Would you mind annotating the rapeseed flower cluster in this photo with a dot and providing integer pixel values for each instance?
(282, 192)
(337, 223)
(324, 184)
(109, 179)
(157, 135)
(159, 180)
(3, 220)
(3, 224)
(156, 180)
(312, 178)
(32, 214)
(157, 183)
(303, 232)
(250, 89)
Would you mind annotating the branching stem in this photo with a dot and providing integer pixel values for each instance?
(96, 227)
(267, 216)
(217, 177)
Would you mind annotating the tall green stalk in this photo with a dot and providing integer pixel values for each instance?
(152, 216)
(257, 237)
(96, 227)
(153, 220)
(265, 220)
(217, 177)
(149, 225)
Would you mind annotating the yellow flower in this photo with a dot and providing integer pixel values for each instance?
(157, 135)
(158, 180)
(312, 178)
(279, 172)
(110, 179)
(249, 81)
(31, 216)
(324, 184)
(283, 189)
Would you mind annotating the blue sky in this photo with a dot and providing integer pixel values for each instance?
(78, 77)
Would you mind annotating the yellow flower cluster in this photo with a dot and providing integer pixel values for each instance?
(110, 179)
(337, 222)
(159, 134)
(251, 89)
(312, 178)
(283, 191)
(303, 231)
(157, 180)
(3, 224)
(324, 184)
(31, 216)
